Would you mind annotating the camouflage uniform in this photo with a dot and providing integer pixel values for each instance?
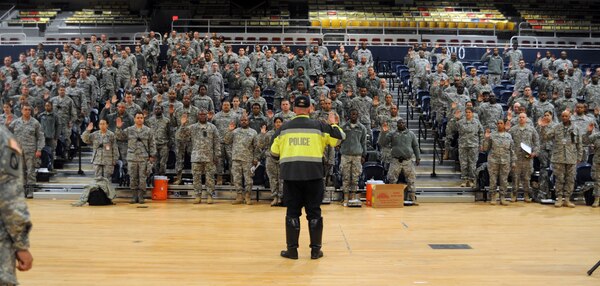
(353, 149)
(566, 152)
(421, 73)
(203, 102)
(215, 87)
(105, 152)
(16, 224)
(161, 126)
(286, 116)
(221, 120)
(404, 146)
(348, 76)
(594, 140)
(111, 119)
(244, 145)
(206, 150)
(67, 114)
(591, 93)
(522, 76)
(500, 157)
(364, 105)
(470, 137)
(581, 122)
(563, 103)
(495, 68)
(182, 141)
(523, 162)
(514, 56)
(544, 153)
(539, 108)
(81, 102)
(272, 166)
(89, 91)
(108, 82)
(140, 146)
(559, 86)
(542, 83)
(489, 114)
(50, 126)
(126, 70)
(454, 68)
(29, 134)
(279, 84)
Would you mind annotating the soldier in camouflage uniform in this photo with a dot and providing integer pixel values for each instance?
(108, 80)
(544, 155)
(348, 75)
(422, 70)
(454, 68)
(206, 151)
(541, 106)
(543, 81)
(522, 76)
(88, 88)
(523, 161)
(126, 70)
(470, 137)
(105, 149)
(81, 102)
(286, 114)
(28, 132)
(364, 105)
(566, 102)
(591, 93)
(202, 100)
(513, 55)
(580, 119)
(495, 65)
(272, 164)
(592, 136)
(161, 126)
(221, 120)
(501, 157)
(280, 85)
(490, 112)
(566, 153)
(140, 149)
(182, 142)
(67, 114)
(244, 145)
(403, 143)
(111, 119)
(50, 126)
(353, 150)
(559, 84)
(16, 224)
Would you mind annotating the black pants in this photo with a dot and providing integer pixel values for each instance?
(307, 194)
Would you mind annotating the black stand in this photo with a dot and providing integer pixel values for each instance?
(591, 271)
(80, 172)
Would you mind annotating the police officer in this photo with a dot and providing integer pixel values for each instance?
(404, 146)
(299, 146)
(140, 150)
(16, 224)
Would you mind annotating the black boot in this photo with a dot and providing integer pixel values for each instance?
(315, 229)
(292, 232)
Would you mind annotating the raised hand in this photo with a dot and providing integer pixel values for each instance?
(509, 115)
(119, 122)
(263, 129)
(385, 127)
(90, 127)
(184, 119)
(333, 118)
(507, 125)
(231, 126)
(270, 114)
(488, 133)
(538, 55)
(590, 127)
(457, 114)
(114, 99)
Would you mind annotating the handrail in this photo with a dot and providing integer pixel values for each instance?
(554, 29)
(537, 42)
(7, 12)
(20, 34)
(215, 23)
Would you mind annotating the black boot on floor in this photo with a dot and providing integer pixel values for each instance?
(292, 232)
(315, 229)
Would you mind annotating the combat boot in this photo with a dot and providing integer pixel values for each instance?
(134, 197)
(345, 201)
(239, 199)
(275, 201)
(494, 199)
(219, 180)
(198, 199)
(558, 202)
(567, 203)
(413, 198)
(527, 198)
(141, 194)
(446, 154)
(463, 184)
(503, 200)
(292, 233)
(209, 198)
(513, 197)
(248, 199)
(315, 231)
(596, 202)
(178, 180)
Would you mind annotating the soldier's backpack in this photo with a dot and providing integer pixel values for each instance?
(98, 197)
(47, 161)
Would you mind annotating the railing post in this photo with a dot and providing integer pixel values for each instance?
(435, 142)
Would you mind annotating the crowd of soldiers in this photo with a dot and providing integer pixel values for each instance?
(559, 126)
(203, 101)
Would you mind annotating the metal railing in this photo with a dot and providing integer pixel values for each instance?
(3, 40)
(7, 12)
(218, 25)
(526, 26)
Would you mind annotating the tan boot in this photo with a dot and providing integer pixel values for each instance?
(248, 199)
(513, 197)
(527, 198)
(178, 180)
(413, 198)
(568, 203)
(446, 154)
(558, 202)
(345, 201)
(503, 200)
(463, 184)
(494, 199)
(467, 183)
(209, 198)
(239, 199)
(219, 180)
(198, 199)
(275, 201)
(596, 202)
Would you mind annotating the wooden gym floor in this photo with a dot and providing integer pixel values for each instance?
(177, 243)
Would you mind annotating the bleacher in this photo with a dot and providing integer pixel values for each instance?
(106, 13)
(426, 15)
(560, 16)
(34, 17)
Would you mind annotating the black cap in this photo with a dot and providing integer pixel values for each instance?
(302, 101)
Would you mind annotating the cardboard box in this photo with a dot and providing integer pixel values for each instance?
(388, 196)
